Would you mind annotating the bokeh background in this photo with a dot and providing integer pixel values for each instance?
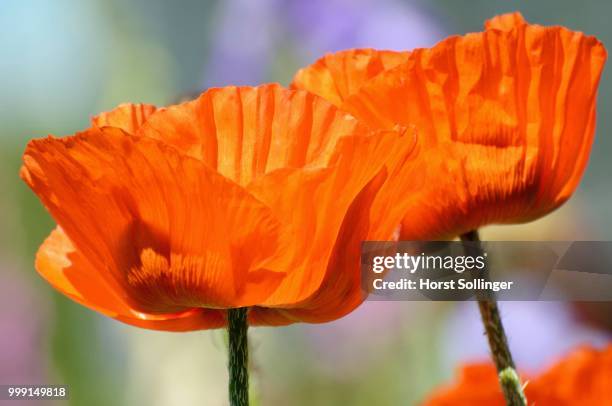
(62, 61)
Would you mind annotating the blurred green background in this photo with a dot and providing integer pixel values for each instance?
(63, 61)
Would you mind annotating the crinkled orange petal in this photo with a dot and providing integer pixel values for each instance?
(127, 117)
(339, 290)
(505, 22)
(333, 214)
(339, 75)
(68, 271)
(477, 384)
(245, 132)
(163, 229)
(581, 379)
(505, 118)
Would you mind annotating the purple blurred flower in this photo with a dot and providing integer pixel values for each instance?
(22, 338)
(253, 37)
(539, 333)
(320, 26)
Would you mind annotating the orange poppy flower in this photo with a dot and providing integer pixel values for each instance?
(582, 378)
(245, 197)
(506, 118)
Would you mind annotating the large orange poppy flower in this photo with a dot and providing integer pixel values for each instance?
(506, 118)
(582, 378)
(245, 197)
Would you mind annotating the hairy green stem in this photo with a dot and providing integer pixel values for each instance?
(494, 329)
(238, 365)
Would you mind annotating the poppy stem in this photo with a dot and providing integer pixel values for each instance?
(494, 329)
(238, 365)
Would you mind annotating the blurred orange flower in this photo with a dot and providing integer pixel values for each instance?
(245, 197)
(581, 379)
(506, 118)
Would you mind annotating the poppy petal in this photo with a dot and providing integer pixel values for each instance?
(477, 384)
(339, 75)
(66, 269)
(340, 291)
(245, 132)
(505, 22)
(127, 117)
(579, 379)
(337, 201)
(160, 227)
(327, 287)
